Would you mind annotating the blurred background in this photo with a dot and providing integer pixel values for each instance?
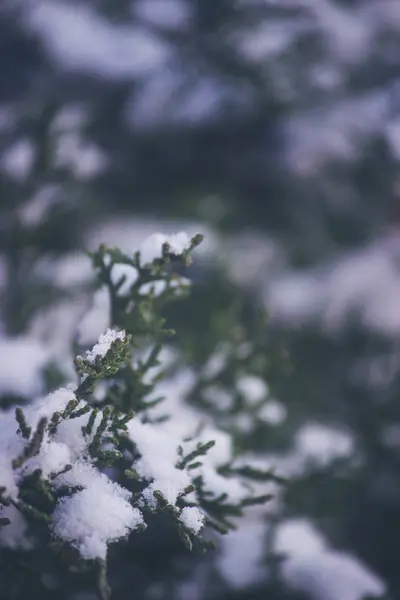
(273, 127)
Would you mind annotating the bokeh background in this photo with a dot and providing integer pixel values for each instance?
(273, 127)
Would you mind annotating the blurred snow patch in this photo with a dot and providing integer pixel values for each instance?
(70, 270)
(267, 39)
(164, 13)
(254, 389)
(273, 412)
(322, 444)
(377, 372)
(21, 362)
(313, 568)
(249, 257)
(123, 275)
(79, 38)
(334, 131)
(299, 535)
(240, 560)
(17, 161)
(217, 362)
(200, 99)
(96, 319)
(218, 397)
(83, 159)
(70, 117)
(56, 327)
(365, 282)
(348, 32)
(35, 210)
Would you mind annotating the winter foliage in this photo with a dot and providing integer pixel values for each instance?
(89, 471)
(272, 128)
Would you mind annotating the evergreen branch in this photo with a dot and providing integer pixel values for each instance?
(33, 447)
(24, 427)
(201, 450)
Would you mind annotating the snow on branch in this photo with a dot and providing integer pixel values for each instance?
(91, 470)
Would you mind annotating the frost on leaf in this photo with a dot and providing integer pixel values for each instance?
(104, 344)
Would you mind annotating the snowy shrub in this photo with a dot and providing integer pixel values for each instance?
(91, 463)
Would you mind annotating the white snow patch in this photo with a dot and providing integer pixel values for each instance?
(241, 558)
(81, 39)
(192, 518)
(22, 360)
(17, 161)
(253, 388)
(95, 517)
(104, 344)
(313, 568)
(151, 248)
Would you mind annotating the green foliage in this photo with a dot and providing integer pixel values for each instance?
(126, 362)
